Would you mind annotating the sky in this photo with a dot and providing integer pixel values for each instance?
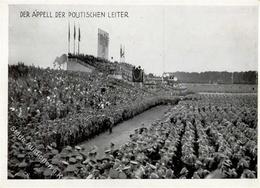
(158, 38)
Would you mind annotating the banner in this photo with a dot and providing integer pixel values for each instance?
(137, 74)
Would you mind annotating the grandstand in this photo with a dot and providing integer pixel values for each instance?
(89, 63)
(78, 65)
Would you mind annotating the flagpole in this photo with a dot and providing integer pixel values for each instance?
(74, 39)
(124, 54)
(163, 40)
(78, 47)
(78, 39)
(68, 43)
(120, 52)
(69, 38)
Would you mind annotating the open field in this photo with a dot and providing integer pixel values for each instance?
(222, 88)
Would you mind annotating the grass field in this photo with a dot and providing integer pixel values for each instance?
(222, 88)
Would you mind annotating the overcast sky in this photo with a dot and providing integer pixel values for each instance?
(173, 38)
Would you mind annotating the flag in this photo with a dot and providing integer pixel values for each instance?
(69, 32)
(122, 54)
(120, 51)
(79, 34)
(74, 32)
(74, 39)
(78, 38)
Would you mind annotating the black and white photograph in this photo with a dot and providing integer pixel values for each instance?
(132, 92)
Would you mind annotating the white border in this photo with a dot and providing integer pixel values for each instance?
(98, 183)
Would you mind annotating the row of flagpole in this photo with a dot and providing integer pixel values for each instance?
(122, 47)
(74, 39)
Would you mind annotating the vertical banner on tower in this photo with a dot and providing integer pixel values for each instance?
(137, 74)
(103, 42)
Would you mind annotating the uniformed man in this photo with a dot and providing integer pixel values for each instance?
(110, 123)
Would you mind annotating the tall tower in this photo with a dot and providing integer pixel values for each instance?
(103, 44)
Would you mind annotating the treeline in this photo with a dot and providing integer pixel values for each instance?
(212, 77)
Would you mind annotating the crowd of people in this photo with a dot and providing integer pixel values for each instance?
(204, 136)
(208, 138)
(45, 94)
(54, 106)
